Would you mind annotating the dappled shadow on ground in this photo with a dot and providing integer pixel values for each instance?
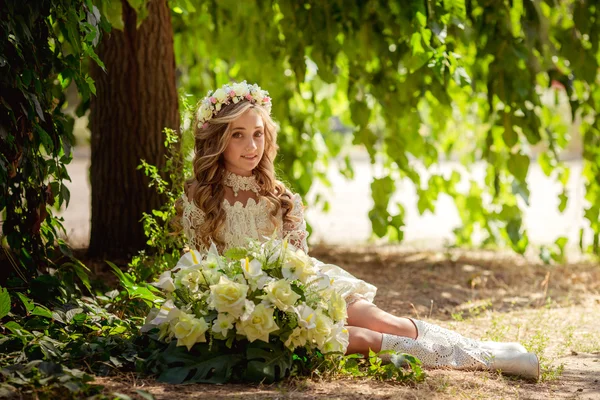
(494, 295)
(459, 283)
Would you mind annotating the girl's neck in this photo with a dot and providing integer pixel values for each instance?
(245, 174)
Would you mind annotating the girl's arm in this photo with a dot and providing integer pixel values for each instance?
(296, 231)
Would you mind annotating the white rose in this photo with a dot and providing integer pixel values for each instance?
(258, 96)
(228, 296)
(280, 293)
(259, 325)
(241, 89)
(189, 330)
(220, 95)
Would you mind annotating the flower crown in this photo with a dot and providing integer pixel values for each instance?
(228, 93)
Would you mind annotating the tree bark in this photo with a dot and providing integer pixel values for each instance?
(136, 98)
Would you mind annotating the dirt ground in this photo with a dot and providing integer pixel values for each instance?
(553, 310)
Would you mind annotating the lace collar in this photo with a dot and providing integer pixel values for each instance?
(239, 182)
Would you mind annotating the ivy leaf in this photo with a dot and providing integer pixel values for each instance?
(72, 313)
(81, 271)
(26, 302)
(4, 302)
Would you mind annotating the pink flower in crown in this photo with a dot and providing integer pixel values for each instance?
(232, 93)
(266, 99)
(205, 125)
(249, 97)
(213, 100)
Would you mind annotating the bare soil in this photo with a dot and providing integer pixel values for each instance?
(553, 310)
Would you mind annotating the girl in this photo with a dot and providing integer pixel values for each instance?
(234, 195)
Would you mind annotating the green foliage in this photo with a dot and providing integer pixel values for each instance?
(42, 49)
(415, 84)
(402, 367)
(50, 351)
(164, 240)
(46, 380)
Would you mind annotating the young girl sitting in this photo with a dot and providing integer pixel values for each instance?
(234, 195)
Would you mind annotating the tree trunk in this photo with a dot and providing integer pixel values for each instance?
(136, 98)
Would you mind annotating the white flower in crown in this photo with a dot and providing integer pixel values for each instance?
(227, 94)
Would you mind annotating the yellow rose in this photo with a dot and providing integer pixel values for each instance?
(205, 112)
(280, 293)
(322, 330)
(259, 325)
(338, 341)
(337, 307)
(192, 279)
(189, 330)
(297, 338)
(228, 296)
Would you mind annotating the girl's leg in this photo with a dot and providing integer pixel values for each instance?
(363, 339)
(367, 315)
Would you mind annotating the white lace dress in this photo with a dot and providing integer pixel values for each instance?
(252, 221)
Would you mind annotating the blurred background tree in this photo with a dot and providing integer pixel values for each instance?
(415, 83)
(136, 99)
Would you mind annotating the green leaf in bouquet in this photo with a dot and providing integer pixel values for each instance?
(236, 253)
(267, 362)
(198, 366)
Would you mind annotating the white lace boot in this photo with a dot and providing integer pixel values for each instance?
(503, 346)
(438, 347)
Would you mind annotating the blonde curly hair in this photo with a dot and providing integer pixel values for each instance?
(210, 141)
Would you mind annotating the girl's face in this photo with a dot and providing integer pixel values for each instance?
(246, 144)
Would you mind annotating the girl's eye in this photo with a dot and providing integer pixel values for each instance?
(258, 133)
(237, 135)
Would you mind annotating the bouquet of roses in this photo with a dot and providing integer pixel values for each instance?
(270, 293)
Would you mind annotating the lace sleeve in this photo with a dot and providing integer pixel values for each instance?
(193, 217)
(296, 231)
